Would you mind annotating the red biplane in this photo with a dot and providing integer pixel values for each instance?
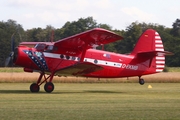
(76, 56)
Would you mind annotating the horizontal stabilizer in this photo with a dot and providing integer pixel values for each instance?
(158, 56)
(79, 69)
(153, 53)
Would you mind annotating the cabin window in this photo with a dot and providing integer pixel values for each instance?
(73, 58)
(61, 56)
(95, 61)
(67, 57)
(50, 47)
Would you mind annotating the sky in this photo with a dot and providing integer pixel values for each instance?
(117, 13)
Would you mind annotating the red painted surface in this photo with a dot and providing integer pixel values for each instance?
(75, 56)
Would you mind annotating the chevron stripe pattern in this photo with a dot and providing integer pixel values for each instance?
(160, 59)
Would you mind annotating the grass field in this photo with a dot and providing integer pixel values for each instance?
(76, 98)
(91, 101)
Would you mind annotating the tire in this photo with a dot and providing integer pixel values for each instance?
(49, 87)
(141, 81)
(34, 88)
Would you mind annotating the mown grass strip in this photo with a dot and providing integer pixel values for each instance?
(11, 69)
(173, 69)
(91, 101)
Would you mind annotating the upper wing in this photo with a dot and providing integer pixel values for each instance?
(79, 69)
(33, 44)
(75, 44)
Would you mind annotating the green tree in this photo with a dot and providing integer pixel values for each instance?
(176, 28)
(105, 26)
(72, 28)
(39, 34)
(32, 35)
(9, 30)
(131, 36)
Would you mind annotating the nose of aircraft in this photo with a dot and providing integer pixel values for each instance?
(21, 57)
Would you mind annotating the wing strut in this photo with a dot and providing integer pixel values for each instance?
(84, 52)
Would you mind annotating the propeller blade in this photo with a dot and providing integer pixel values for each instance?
(7, 61)
(12, 43)
(11, 55)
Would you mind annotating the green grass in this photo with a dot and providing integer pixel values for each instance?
(173, 69)
(11, 69)
(96, 101)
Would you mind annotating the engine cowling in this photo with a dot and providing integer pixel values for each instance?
(23, 56)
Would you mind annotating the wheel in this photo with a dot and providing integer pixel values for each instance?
(49, 87)
(141, 81)
(34, 87)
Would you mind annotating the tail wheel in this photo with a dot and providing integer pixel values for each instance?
(49, 87)
(141, 81)
(34, 87)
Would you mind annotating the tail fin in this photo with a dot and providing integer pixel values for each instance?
(148, 41)
(150, 46)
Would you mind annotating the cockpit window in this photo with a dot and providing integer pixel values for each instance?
(40, 46)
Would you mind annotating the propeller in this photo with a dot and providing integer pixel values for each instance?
(11, 55)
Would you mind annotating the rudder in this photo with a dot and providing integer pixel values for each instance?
(150, 42)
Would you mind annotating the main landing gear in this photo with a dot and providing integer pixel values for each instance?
(48, 87)
(141, 81)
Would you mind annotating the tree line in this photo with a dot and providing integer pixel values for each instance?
(12, 30)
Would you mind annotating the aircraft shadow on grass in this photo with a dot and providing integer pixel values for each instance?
(14, 91)
(58, 92)
(101, 91)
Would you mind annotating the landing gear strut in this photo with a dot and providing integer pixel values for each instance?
(141, 81)
(48, 87)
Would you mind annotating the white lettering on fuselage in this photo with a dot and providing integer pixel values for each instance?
(124, 65)
(70, 52)
(132, 67)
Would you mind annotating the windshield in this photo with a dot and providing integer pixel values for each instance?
(40, 46)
